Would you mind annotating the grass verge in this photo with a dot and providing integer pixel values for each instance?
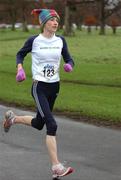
(92, 91)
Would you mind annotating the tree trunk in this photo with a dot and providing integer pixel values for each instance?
(102, 18)
(89, 29)
(25, 28)
(13, 27)
(102, 27)
(13, 19)
(67, 27)
(114, 30)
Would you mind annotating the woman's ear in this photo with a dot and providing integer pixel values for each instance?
(40, 22)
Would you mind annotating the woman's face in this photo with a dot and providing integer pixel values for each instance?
(51, 25)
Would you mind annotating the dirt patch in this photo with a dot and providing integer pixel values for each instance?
(97, 122)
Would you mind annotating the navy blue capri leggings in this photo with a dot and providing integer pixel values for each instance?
(44, 95)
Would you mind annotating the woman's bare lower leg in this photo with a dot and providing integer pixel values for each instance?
(52, 149)
(26, 120)
(50, 140)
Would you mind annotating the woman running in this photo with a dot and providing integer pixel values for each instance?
(46, 51)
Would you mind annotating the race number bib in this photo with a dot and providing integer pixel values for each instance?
(48, 71)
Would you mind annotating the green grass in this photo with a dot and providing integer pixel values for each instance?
(101, 102)
(94, 87)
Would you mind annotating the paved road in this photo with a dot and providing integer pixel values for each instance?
(94, 152)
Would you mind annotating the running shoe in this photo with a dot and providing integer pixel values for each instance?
(9, 120)
(60, 170)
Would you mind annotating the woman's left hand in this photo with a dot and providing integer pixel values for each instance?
(67, 67)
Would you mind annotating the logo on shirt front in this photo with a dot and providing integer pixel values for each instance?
(50, 47)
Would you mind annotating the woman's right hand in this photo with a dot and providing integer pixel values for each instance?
(21, 76)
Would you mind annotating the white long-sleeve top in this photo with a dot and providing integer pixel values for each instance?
(46, 56)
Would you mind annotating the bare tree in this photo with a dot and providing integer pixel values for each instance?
(106, 9)
(20, 9)
(23, 6)
(70, 8)
(11, 8)
(67, 23)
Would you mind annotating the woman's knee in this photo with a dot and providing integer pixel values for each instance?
(37, 123)
(52, 128)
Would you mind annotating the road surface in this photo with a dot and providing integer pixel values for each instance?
(94, 152)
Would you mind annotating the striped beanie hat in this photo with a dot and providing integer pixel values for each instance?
(45, 14)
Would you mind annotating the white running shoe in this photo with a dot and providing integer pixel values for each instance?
(60, 170)
(9, 120)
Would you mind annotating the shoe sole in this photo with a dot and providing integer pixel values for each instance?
(6, 129)
(69, 171)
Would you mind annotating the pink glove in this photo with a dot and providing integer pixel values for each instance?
(21, 76)
(67, 67)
